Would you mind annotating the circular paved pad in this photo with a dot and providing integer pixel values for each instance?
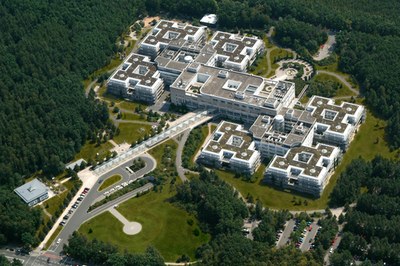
(132, 228)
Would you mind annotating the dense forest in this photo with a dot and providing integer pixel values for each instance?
(46, 50)
(371, 229)
(301, 36)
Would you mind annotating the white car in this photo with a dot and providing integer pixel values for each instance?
(124, 184)
(130, 182)
(331, 250)
(118, 187)
(106, 193)
(59, 241)
(112, 190)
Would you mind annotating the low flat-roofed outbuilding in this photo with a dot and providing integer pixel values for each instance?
(32, 192)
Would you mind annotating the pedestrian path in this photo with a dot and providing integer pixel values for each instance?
(130, 228)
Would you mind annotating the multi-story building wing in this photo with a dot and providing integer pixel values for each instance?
(276, 135)
(173, 60)
(235, 95)
(136, 79)
(305, 169)
(231, 146)
(234, 51)
(166, 31)
(335, 124)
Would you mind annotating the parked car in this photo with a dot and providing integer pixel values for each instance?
(59, 241)
(62, 223)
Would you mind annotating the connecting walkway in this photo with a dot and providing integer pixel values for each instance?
(190, 120)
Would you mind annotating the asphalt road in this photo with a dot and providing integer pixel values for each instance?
(80, 213)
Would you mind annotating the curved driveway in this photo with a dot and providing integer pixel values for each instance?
(80, 214)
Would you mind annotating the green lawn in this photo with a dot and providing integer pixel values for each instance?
(157, 152)
(53, 236)
(130, 105)
(213, 127)
(89, 151)
(110, 181)
(131, 132)
(365, 144)
(131, 116)
(164, 226)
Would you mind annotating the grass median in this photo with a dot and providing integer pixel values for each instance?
(110, 181)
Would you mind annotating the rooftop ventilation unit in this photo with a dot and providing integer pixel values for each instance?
(223, 74)
(266, 119)
(239, 95)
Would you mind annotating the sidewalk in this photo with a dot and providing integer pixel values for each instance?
(88, 180)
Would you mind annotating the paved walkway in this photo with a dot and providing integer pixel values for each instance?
(178, 158)
(326, 49)
(130, 228)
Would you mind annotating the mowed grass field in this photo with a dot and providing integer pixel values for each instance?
(164, 226)
(130, 132)
(368, 143)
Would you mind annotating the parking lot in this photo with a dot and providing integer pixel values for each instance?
(306, 232)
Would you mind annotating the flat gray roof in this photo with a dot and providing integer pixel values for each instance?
(327, 112)
(233, 85)
(222, 140)
(223, 39)
(297, 126)
(73, 164)
(137, 67)
(310, 166)
(166, 31)
(31, 190)
(174, 56)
